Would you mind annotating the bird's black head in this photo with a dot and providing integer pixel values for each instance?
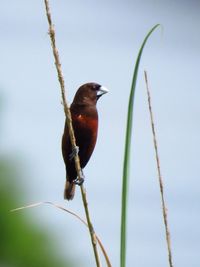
(89, 93)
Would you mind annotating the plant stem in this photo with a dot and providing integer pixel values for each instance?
(73, 214)
(164, 209)
(71, 131)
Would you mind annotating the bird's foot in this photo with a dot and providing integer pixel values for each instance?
(80, 180)
(74, 153)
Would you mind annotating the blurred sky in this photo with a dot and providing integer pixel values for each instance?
(99, 41)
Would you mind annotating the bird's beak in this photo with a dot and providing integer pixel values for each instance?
(101, 91)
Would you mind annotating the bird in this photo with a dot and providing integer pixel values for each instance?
(85, 124)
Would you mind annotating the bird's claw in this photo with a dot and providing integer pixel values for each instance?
(74, 153)
(79, 181)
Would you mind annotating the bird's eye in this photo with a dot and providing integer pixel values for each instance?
(96, 87)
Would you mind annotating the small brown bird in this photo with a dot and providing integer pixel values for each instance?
(85, 124)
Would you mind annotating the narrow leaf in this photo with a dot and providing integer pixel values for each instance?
(127, 155)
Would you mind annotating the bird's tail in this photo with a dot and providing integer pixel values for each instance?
(69, 190)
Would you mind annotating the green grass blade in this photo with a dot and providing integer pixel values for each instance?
(127, 155)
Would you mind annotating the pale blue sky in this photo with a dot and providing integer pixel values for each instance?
(98, 41)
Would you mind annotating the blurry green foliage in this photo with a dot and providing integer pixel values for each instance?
(22, 242)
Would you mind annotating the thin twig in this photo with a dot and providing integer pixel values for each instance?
(164, 209)
(72, 213)
(70, 128)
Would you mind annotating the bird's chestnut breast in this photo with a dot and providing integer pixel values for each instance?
(85, 122)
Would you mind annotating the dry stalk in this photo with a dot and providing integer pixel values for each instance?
(73, 214)
(164, 209)
(71, 131)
